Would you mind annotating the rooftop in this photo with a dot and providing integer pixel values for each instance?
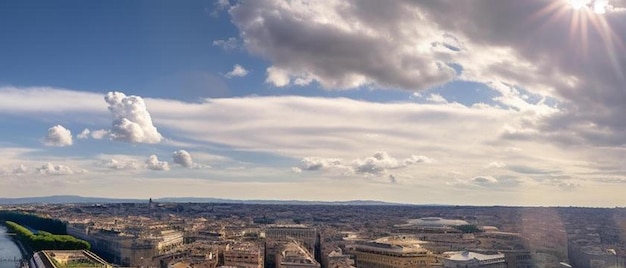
(467, 255)
(432, 222)
(398, 244)
(71, 259)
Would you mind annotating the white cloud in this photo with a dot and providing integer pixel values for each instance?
(47, 100)
(131, 119)
(120, 164)
(238, 71)
(377, 165)
(58, 136)
(436, 98)
(228, 44)
(99, 134)
(153, 163)
(83, 134)
(477, 181)
(318, 163)
(277, 77)
(496, 164)
(416, 159)
(458, 137)
(51, 169)
(182, 158)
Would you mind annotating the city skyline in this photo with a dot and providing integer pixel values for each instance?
(446, 102)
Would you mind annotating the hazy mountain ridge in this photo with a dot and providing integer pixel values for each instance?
(74, 199)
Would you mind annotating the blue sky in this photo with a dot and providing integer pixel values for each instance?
(452, 102)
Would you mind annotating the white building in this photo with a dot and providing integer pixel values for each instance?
(466, 259)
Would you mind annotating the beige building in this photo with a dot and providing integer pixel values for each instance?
(393, 252)
(243, 256)
(301, 233)
(336, 259)
(277, 235)
(168, 240)
(126, 249)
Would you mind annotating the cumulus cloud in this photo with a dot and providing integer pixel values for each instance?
(238, 71)
(153, 163)
(182, 158)
(378, 164)
(83, 134)
(348, 44)
(277, 77)
(341, 45)
(58, 136)
(381, 162)
(99, 134)
(131, 119)
(416, 159)
(120, 164)
(51, 169)
(319, 163)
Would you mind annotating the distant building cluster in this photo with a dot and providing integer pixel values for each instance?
(182, 235)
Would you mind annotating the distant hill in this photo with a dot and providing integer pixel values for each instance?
(74, 199)
(65, 199)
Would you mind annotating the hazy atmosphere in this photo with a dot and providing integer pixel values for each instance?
(479, 102)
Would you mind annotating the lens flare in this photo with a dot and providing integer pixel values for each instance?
(587, 20)
(578, 4)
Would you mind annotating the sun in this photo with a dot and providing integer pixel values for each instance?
(596, 6)
(587, 21)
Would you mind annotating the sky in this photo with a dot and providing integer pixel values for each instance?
(461, 102)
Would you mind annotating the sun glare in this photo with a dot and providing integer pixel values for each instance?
(586, 20)
(578, 4)
(597, 6)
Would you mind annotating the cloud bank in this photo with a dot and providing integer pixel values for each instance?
(348, 44)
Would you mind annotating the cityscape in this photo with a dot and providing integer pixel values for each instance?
(313, 133)
(153, 234)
